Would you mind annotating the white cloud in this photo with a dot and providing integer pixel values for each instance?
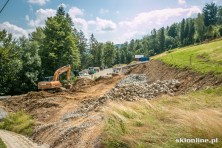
(182, 2)
(74, 12)
(143, 22)
(103, 11)
(81, 24)
(103, 25)
(27, 17)
(158, 17)
(41, 16)
(40, 2)
(117, 12)
(14, 30)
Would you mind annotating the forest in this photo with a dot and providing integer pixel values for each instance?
(26, 60)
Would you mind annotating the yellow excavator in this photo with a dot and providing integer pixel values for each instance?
(53, 82)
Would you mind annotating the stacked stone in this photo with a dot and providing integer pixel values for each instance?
(136, 86)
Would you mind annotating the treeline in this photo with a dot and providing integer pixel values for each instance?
(207, 26)
(25, 61)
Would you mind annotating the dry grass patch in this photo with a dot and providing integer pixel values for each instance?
(159, 122)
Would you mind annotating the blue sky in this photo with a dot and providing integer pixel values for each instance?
(109, 20)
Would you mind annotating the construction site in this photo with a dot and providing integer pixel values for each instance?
(74, 118)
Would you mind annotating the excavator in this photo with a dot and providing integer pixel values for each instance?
(51, 83)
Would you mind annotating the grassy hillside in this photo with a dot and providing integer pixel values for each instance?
(202, 58)
(159, 122)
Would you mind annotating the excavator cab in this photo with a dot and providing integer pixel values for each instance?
(50, 78)
(53, 82)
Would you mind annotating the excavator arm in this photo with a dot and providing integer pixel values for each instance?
(61, 70)
(55, 83)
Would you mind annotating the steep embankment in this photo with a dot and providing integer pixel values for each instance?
(190, 80)
(195, 67)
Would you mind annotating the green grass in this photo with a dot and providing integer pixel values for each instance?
(159, 122)
(205, 58)
(18, 122)
(2, 144)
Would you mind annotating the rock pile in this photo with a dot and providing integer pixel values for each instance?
(136, 86)
(133, 87)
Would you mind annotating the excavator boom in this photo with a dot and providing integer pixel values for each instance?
(55, 83)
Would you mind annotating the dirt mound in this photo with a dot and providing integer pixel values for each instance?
(83, 83)
(33, 103)
(157, 70)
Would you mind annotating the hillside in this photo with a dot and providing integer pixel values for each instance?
(204, 58)
(194, 111)
(151, 105)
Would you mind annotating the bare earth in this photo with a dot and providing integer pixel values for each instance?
(66, 119)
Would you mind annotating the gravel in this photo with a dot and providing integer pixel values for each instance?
(136, 86)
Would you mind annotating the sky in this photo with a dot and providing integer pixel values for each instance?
(109, 20)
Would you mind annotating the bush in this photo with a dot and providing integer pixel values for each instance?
(18, 122)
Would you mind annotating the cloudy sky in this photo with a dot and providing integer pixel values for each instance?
(109, 20)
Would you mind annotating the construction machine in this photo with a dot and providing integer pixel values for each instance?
(53, 82)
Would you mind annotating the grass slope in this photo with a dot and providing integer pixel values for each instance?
(159, 122)
(204, 58)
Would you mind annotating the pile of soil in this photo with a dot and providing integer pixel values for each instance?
(82, 83)
(190, 80)
(33, 103)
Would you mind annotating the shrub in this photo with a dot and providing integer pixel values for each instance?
(18, 122)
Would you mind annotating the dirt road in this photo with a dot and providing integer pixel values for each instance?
(13, 140)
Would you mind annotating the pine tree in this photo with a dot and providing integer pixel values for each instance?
(59, 46)
(210, 14)
(161, 38)
(200, 27)
(182, 31)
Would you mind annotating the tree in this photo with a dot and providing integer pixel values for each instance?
(161, 38)
(10, 64)
(210, 14)
(191, 32)
(200, 27)
(154, 45)
(109, 54)
(172, 30)
(31, 64)
(94, 50)
(59, 45)
(219, 15)
(182, 32)
(117, 60)
(82, 46)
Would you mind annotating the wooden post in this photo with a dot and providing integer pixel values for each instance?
(190, 60)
